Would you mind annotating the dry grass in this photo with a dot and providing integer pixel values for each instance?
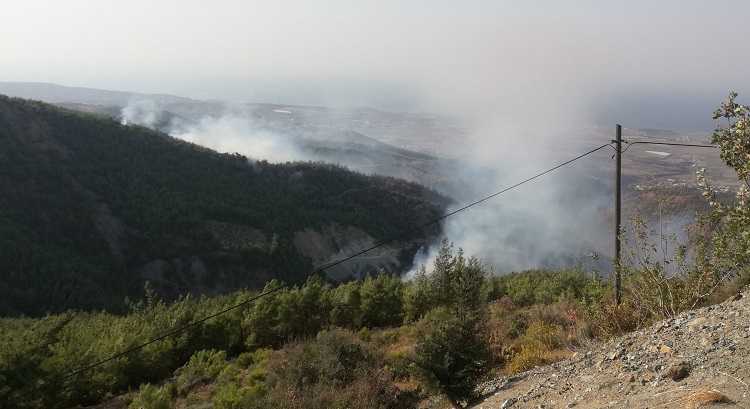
(703, 397)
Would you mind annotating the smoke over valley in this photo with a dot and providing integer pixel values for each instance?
(467, 99)
(551, 221)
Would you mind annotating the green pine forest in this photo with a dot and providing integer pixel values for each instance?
(87, 203)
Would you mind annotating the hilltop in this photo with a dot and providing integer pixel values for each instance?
(92, 209)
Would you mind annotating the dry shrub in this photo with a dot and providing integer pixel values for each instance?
(509, 327)
(567, 316)
(663, 277)
(547, 334)
(532, 355)
(703, 397)
(537, 345)
(502, 306)
(606, 320)
(335, 370)
(372, 388)
(572, 316)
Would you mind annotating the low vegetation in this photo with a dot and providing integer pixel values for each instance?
(293, 345)
(294, 348)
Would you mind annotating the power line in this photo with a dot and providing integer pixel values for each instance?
(280, 287)
(667, 143)
(618, 198)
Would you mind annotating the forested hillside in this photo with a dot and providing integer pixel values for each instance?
(92, 209)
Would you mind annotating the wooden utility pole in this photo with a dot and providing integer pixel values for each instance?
(618, 202)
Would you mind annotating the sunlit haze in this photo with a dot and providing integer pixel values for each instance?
(582, 57)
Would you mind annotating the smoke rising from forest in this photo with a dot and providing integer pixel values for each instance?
(526, 77)
(548, 222)
(142, 112)
(234, 131)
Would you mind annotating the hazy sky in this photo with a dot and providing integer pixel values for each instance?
(582, 57)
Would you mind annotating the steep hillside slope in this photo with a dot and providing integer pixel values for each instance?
(91, 209)
(699, 358)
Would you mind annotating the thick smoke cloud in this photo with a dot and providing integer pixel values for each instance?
(240, 134)
(551, 221)
(548, 222)
(235, 131)
(526, 74)
(142, 112)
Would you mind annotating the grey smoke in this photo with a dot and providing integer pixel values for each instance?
(142, 112)
(236, 131)
(240, 134)
(548, 222)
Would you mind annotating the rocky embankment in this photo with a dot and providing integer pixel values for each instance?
(700, 358)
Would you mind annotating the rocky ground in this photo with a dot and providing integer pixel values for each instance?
(700, 358)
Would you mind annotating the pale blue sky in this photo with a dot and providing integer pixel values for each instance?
(444, 55)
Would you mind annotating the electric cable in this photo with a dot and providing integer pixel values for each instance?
(298, 280)
(666, 143)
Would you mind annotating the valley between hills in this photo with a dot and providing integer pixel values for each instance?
(126, 222)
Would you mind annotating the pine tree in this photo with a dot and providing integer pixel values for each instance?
(453, 354)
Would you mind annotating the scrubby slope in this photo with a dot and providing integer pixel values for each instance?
(701, 356)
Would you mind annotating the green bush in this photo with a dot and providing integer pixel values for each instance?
(259, 356)
(232, 397)
(153, 397)
(333, 357)
(230, 373)
(364, 335)
(203, 367)
(191, 400)
(244, 360)
(399, 363)
(388, 337)
(545, 287)
(257, 375)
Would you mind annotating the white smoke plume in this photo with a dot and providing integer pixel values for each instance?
(142, 112)
(239, 134)
(235, 131)
(549, 222)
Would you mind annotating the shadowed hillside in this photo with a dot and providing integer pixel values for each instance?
(92, 209)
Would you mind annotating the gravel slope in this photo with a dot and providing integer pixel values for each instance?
(676, 363)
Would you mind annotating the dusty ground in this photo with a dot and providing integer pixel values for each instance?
(698, 356)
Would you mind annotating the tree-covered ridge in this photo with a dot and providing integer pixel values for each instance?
(88, 203)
